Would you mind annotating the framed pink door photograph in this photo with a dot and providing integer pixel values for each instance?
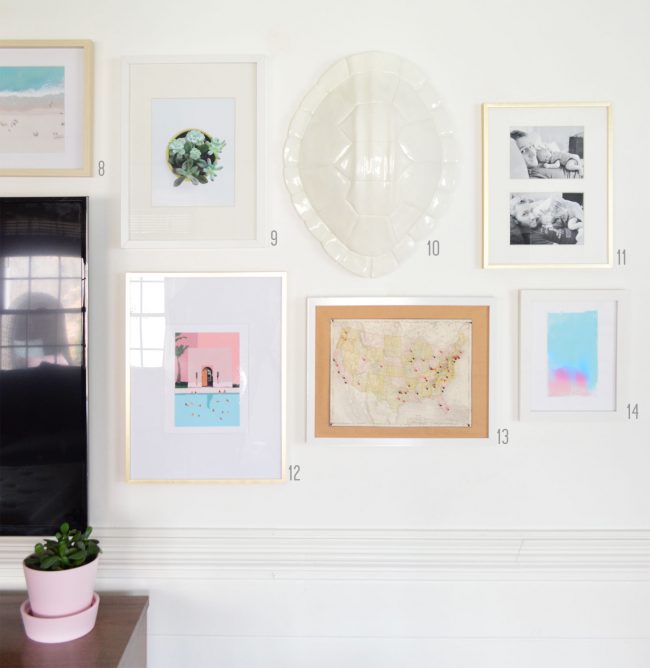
(205, 377)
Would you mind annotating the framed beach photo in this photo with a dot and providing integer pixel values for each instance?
(192, 152)
(205, 377)
(547, 185)
(570, 354)
(45, 107)
(397, 371)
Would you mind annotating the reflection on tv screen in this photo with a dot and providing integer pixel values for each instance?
(43, 420)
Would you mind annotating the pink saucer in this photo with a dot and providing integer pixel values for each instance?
(59, 629)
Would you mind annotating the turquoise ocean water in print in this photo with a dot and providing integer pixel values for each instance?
(207, 410)
(32, 80)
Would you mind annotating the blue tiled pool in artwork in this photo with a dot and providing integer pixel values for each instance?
(219, 409)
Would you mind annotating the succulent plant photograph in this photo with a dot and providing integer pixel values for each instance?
(193, 156)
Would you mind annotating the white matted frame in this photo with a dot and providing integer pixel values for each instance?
(571, 344)
(318, 356)
(585, 242)
(164, 97)
(48, 116)
(198, 427)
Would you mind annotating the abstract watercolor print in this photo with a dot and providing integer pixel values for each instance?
(207, 379)
(32, 109)
(572, 348)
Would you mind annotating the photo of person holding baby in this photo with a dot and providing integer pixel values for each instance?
(547, 219)
(547, 152)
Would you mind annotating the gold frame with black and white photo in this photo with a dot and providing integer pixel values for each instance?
(569, 239)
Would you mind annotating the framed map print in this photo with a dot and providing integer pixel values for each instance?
(205, 377)
(388, 370)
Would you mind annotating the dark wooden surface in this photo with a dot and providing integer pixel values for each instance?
(118, 639)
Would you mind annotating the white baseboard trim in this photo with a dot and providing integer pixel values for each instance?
(358, 554)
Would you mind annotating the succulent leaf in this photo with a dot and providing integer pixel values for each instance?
(49, 563)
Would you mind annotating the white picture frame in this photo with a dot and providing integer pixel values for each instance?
(224, 422)
(316, 430)
(164, 99)
(547, 185)
(571, 344)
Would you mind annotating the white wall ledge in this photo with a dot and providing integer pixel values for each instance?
(358, 554)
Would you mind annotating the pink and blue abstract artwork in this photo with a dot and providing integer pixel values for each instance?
(572, 350)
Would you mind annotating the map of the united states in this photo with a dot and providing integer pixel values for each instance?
(399, 367)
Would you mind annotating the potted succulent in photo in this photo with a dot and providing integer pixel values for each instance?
(192, 155)
(60, 574)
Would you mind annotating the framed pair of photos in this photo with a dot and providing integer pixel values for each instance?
(547, 185)
(46, 107)
(396, 371)
(205, 360)
(192, 152)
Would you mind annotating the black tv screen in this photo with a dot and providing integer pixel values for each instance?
(43, 372)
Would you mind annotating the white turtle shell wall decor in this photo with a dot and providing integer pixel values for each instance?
(369, 161)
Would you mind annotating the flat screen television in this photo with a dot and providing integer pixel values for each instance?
(43, 370)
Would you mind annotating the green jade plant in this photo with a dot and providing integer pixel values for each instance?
(193, 156)
(72, 548)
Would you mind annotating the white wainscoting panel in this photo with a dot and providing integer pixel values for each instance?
(290, 598)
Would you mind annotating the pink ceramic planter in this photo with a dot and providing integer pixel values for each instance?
(59, 629)
(61, 593)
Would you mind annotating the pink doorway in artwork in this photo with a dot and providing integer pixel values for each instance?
(211, 359)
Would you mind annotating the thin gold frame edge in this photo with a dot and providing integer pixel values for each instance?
(282, 275)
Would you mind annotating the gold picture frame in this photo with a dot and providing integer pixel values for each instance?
(588, 190)
(168, 442)
(57, 134)
(324, 313)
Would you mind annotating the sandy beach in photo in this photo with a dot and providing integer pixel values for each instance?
(33, 131)
(32, 110)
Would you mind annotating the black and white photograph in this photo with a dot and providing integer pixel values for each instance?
(549, 152)
(546, 219)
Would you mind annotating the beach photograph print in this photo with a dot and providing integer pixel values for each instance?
(572, 353)
(547, 219)
(400, 372)
(193, 152)
(547, 152)
(32, 109)
(207, 380)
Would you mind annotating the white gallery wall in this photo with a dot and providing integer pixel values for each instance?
(534, 553)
